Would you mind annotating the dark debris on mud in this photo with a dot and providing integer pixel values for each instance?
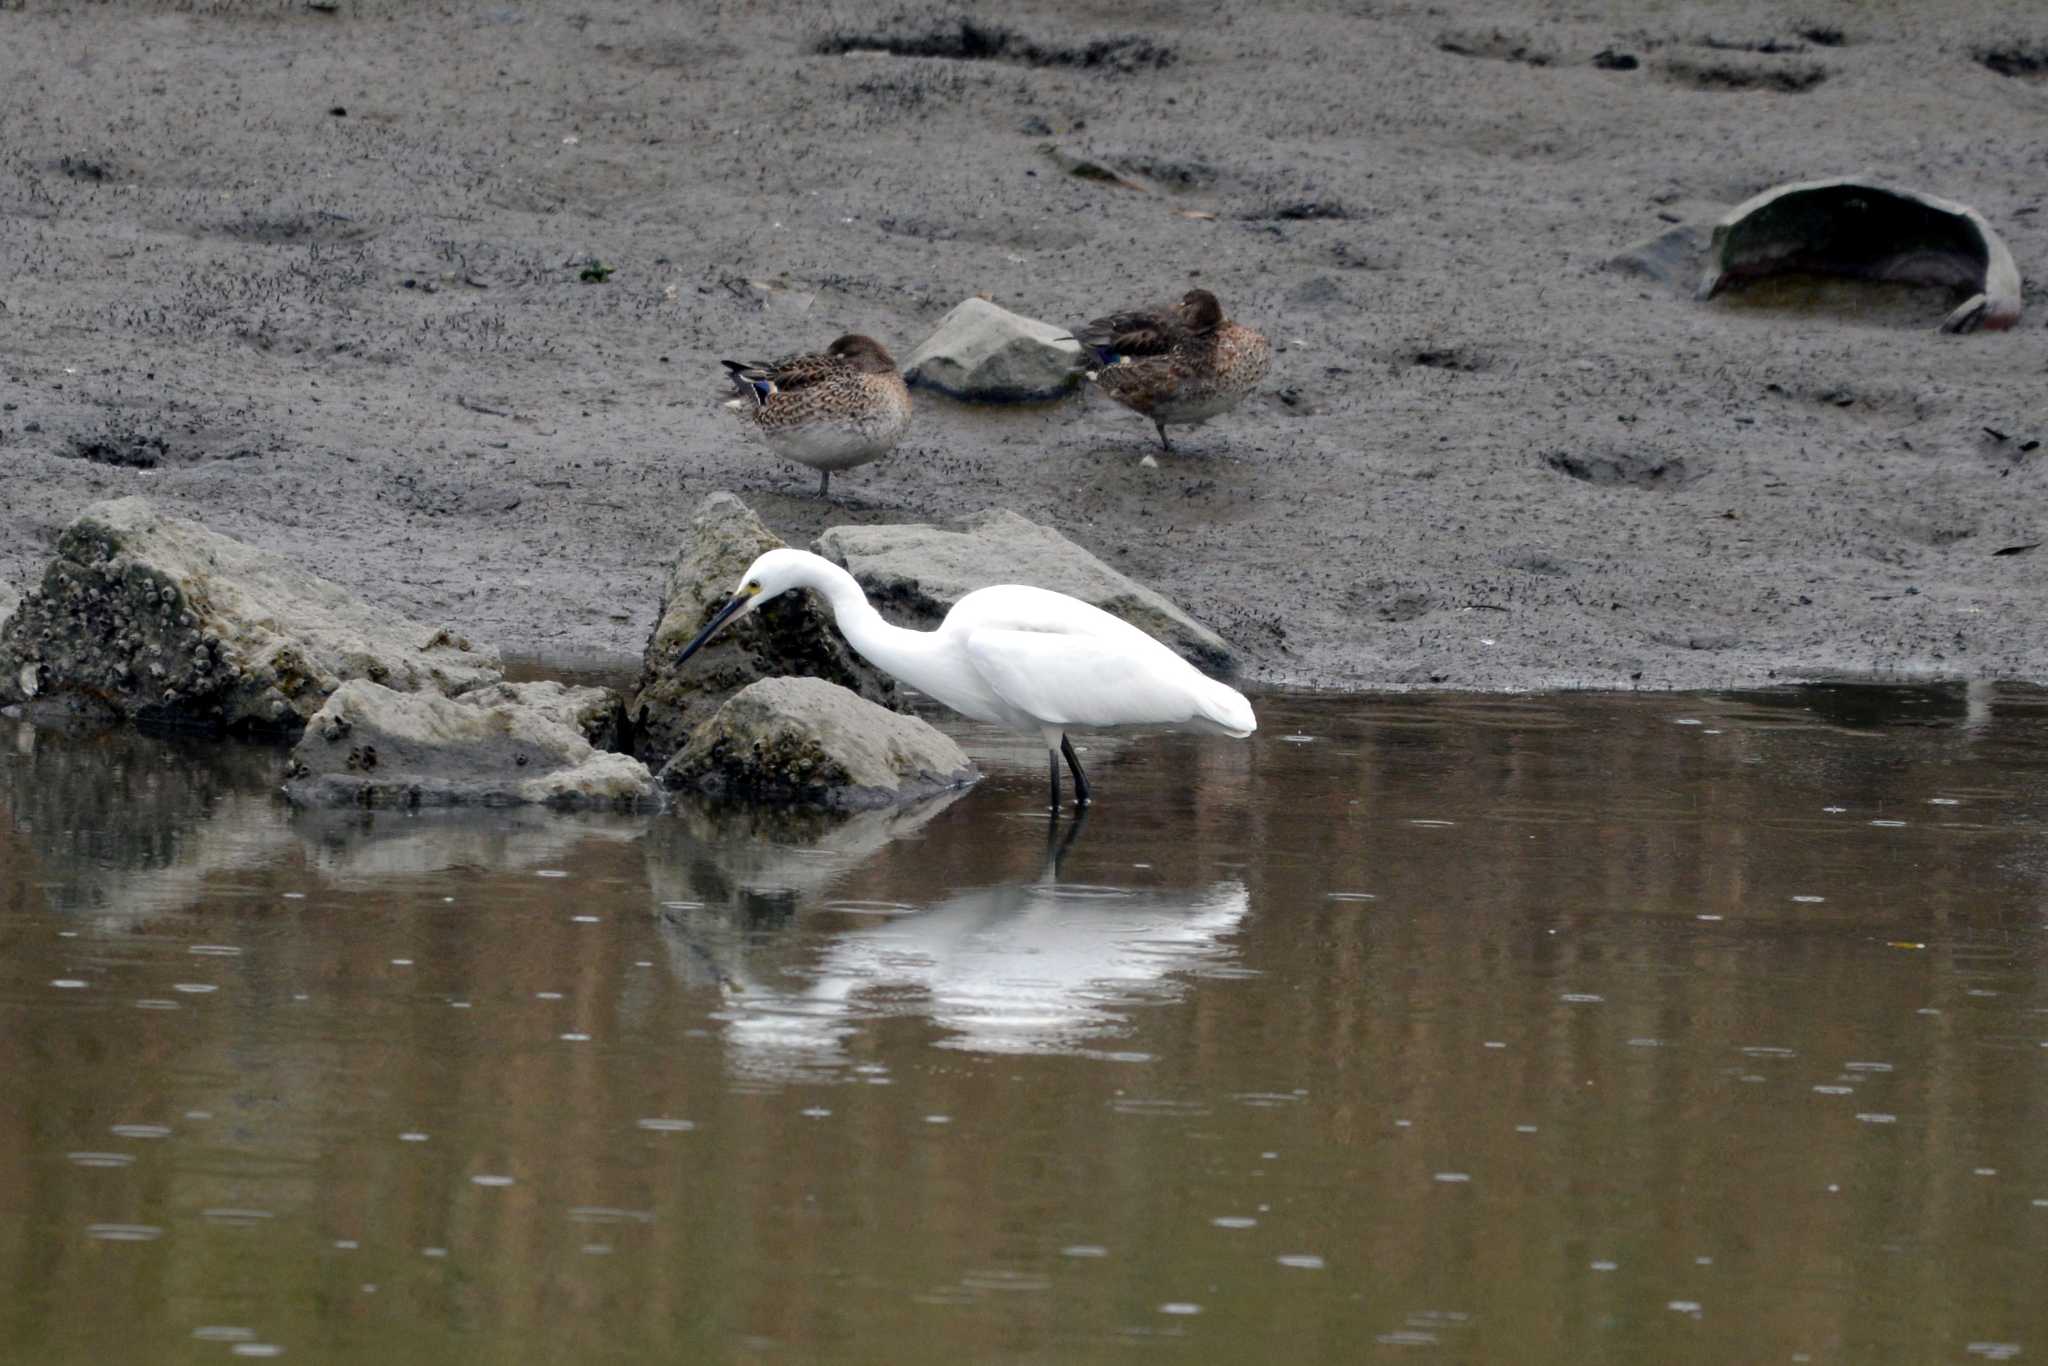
(87, 168)
(967, 40)
(1623, 469)
(1497, 47)
(1791, 79)
(1769, 47)
(2023, 60)
(126, 450)
(1458, 359)
(1301, 211)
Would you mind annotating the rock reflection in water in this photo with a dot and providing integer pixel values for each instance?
(757, 864)
(122, 824)
(126, 825)
(353, 849)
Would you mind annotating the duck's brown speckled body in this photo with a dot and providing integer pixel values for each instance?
(831, 410)
(1183, 364)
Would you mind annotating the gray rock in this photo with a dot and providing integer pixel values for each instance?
(592, 713)
(506, 745)
(156, 618)
(987, 354)
(916, 573)
(806, 742)
(9, 600)
(791, 635)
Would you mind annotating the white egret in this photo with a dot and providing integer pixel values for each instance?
(1026, 658)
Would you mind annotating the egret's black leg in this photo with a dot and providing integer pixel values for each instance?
(824, 483)
(1162, 435)
(1054, 766)
(1080, 783)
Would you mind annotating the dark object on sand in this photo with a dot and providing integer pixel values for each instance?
(1860, 228)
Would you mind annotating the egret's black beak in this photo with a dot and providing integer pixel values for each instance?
(738, 603)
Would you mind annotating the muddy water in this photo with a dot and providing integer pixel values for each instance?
(1677, 1029)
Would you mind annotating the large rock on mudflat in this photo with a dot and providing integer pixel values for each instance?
(506, 745)
(920, 571)
(988, 354)
(1862, 228)
(806, 742)
(159, 619)
(791, 635)
(592, 713)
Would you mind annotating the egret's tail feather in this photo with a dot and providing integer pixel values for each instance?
(1227, 709)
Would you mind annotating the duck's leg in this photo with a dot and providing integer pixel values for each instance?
(1162, 435)
(824, 483)
(1080, 783)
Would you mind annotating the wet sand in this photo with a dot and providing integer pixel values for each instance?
(313, 277)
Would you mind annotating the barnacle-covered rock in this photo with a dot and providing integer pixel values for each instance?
(155, 618)
(792, 635)
(806, 742)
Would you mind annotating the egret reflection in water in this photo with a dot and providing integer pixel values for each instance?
(1033, 966)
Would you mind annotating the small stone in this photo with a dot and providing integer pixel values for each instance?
(984, 353)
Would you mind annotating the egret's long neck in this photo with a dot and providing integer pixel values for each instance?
(892, 649)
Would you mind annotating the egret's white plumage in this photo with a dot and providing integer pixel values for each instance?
(1024, 658)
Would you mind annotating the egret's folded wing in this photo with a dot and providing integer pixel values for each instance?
(1086, 680)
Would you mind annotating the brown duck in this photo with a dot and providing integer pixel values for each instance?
(831, 409)
(1182, 364)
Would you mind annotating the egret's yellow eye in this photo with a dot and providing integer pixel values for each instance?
(754, 586)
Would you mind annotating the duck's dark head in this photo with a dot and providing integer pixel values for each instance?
(864, 353)
(1200, 311)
